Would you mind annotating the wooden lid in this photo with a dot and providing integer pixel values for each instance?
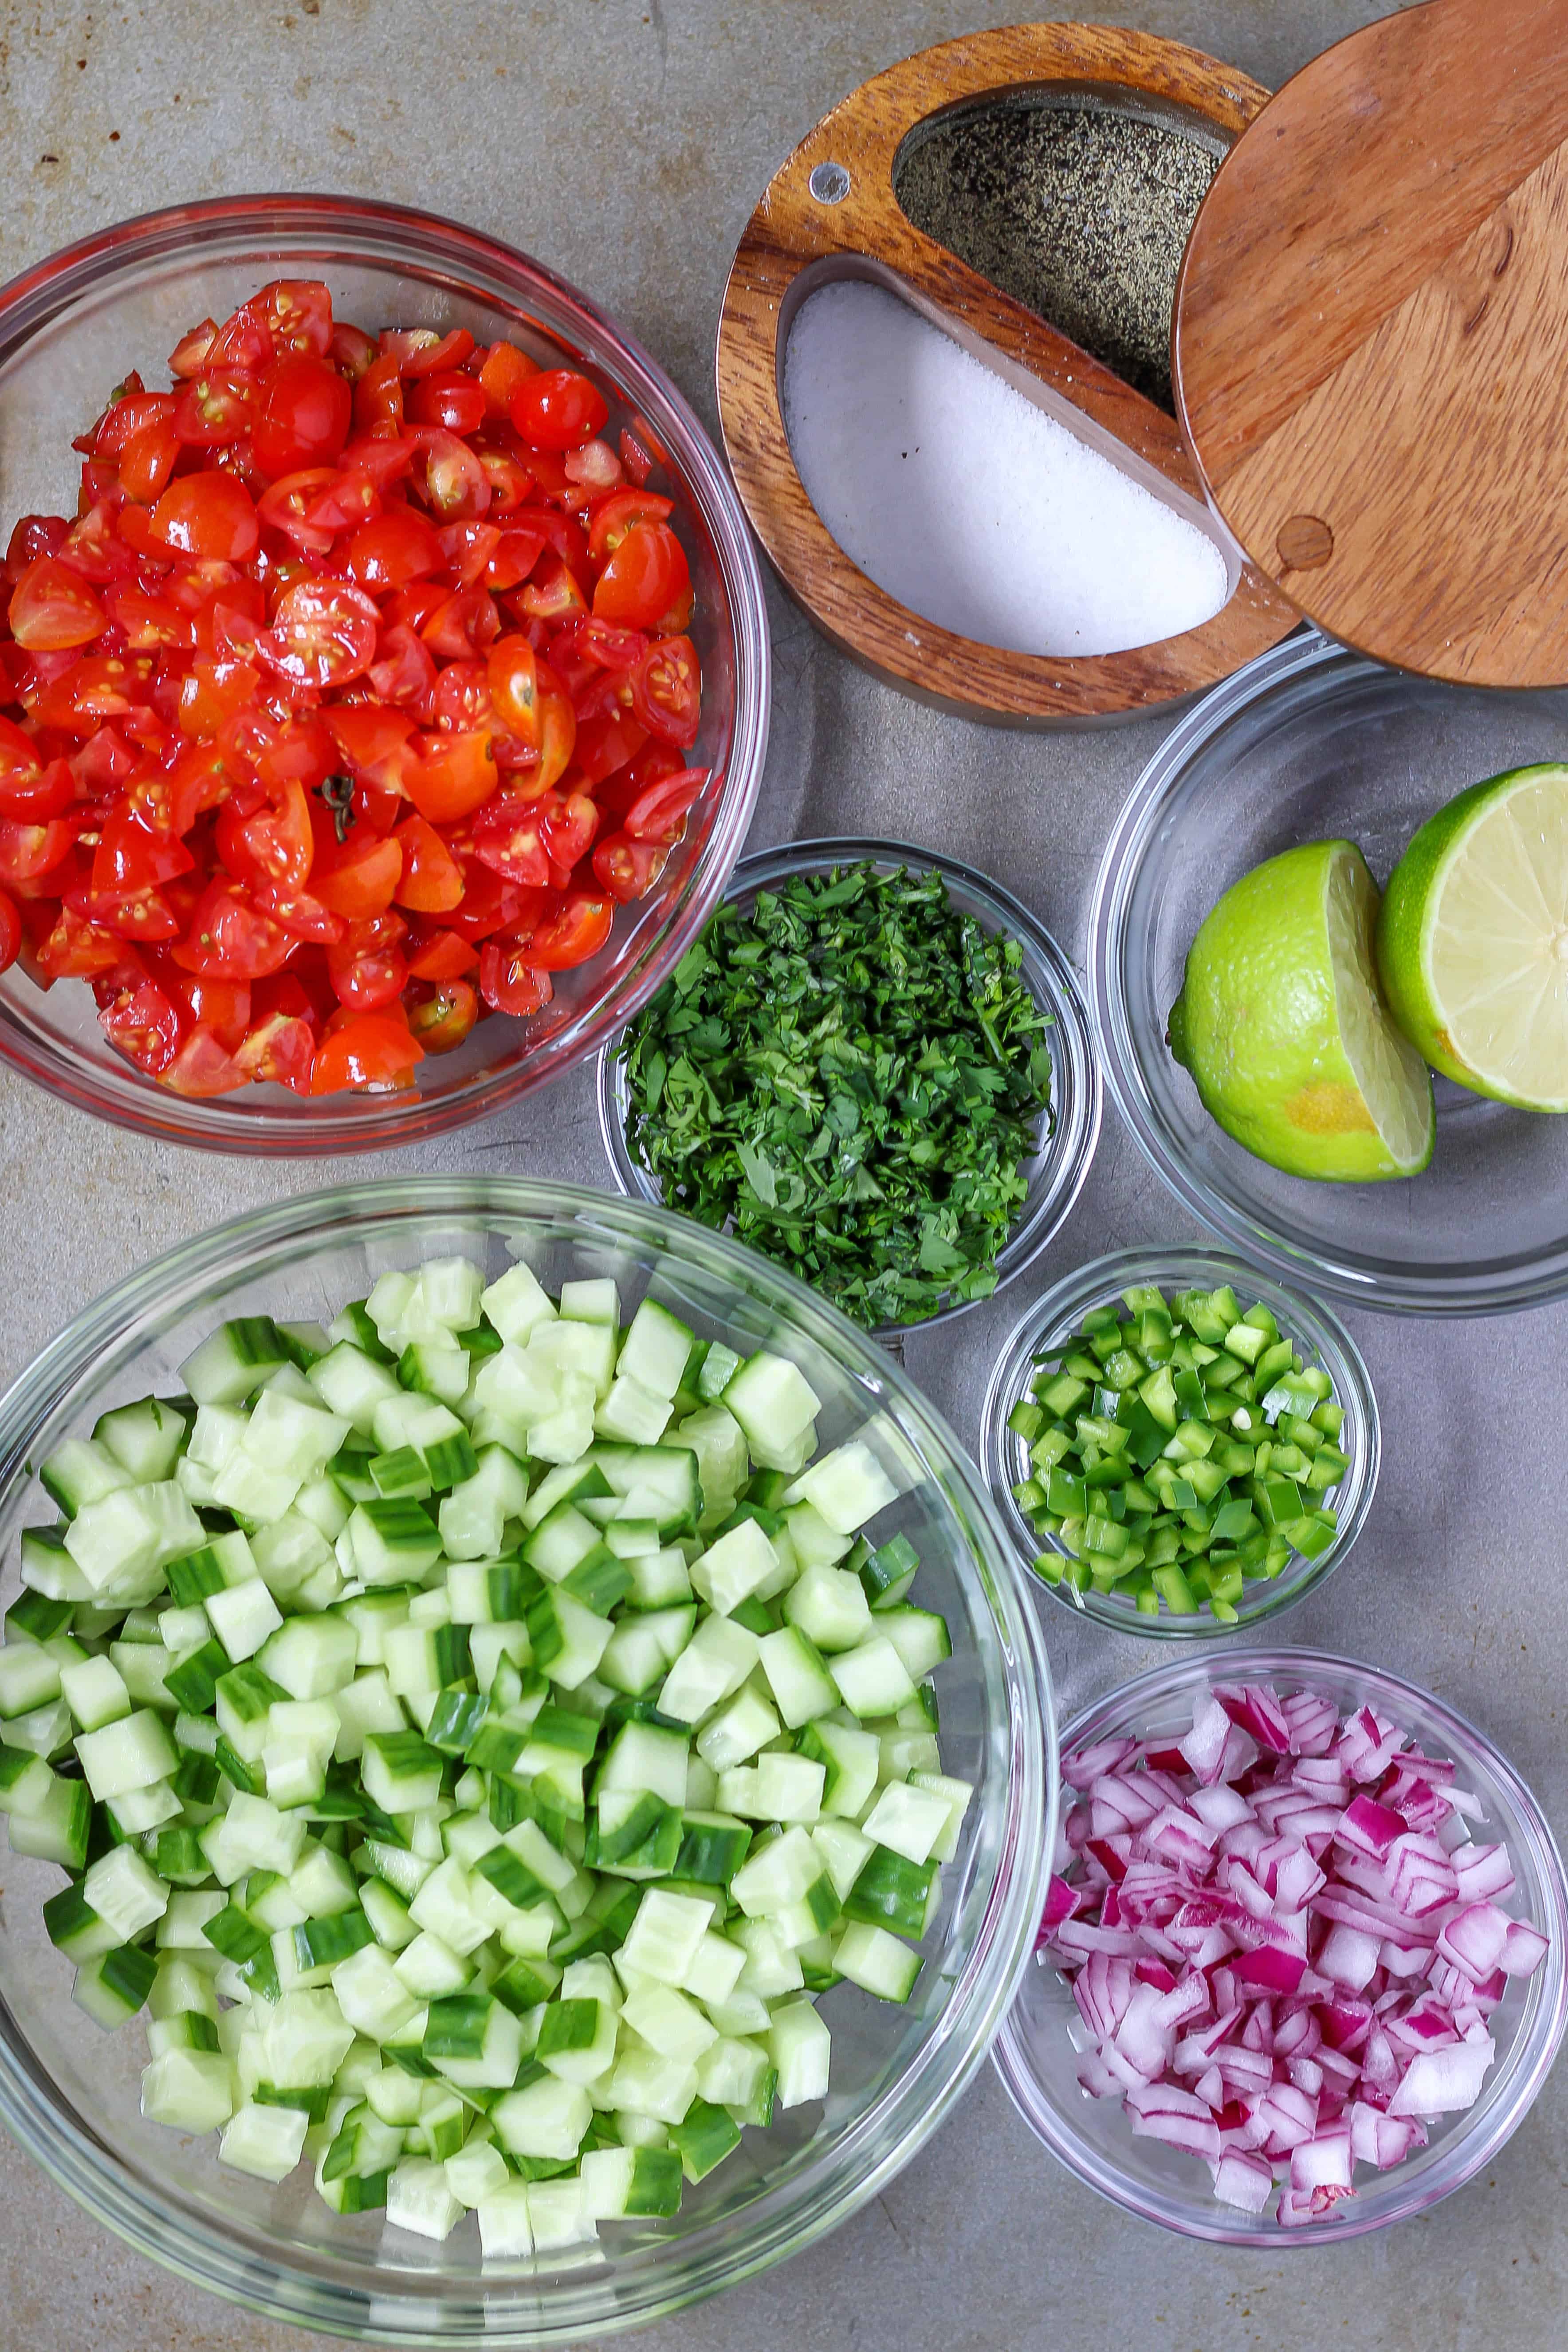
(1372, 341)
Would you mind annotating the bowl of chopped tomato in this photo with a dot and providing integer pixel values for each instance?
(384, 675)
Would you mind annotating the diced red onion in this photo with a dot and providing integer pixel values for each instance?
(1282, 1942)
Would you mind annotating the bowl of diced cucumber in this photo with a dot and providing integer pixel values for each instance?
(1179, 1445)
(527, 1760)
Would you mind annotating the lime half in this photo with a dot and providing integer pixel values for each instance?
(1282, 1024)
(1472, 941)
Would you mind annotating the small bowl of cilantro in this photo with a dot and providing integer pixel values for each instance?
(875, 1067)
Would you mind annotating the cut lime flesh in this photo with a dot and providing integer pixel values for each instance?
(1493, 950)
(1387, 1069)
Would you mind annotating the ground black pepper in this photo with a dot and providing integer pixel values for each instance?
(1080, 210)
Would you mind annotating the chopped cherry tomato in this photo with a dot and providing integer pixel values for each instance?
(21, 766)
(285, 505)
(302, 417)
(10, 930)
(509, 839)
(454, 482)
(373, 1052)
(432, 880)
(443, 1019)
(205, 514)
(148, 460)
(273, 843)
(462, 625)
(628, 869)
(643, 578)
(509, 482)
(280, 1049)
(203, 1067)
(488, 904)
(557, 738)
(130, 856)
(514, 689)
(229, 938)
(577, 931)
(221, 1006)
(429, 353)
(350, 350)
(296, 312)
(447, 398)
(666, 691)
(455, 775)
(48, 792)
(300, 912)
(509, 982)
(620, 650)
(404, 667)
(461, 697)
(144, 1024)
(368, 968)
(212, 693)
(75, 948)
(29, 851)
(604, 744)
(614, 517)
(53, 609)
(125, 417)
(215, 408)
(553, 595)
(378, 397)
(504, 370)
(556, 408)
(392, 550)
(567, 827)
(442, 955)
(324, 634)
(359, 880)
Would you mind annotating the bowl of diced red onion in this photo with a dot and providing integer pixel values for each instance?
(1301, 1968)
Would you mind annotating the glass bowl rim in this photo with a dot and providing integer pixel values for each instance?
(34, 296)
(1503, 1289)
(197, 2249)
(1310, 1319)
(1069, 1151)
(1471, 2152)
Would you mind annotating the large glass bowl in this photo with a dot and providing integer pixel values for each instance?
(1067, 1132)
(1036, 2056)
(70, 2093)
(71, 326)
(1306, 743)
(1319, 1337)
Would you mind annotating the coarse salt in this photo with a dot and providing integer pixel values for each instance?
(969, 504)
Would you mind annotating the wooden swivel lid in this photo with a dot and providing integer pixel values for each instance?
(1372, 341)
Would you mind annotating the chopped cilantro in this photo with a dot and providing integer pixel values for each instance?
(852, 1077)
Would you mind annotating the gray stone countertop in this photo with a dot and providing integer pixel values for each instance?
(625, 144)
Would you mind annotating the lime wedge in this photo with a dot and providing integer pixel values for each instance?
(1282, 1024)
(1472, 941)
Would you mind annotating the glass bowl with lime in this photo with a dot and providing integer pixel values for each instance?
(1328, 975)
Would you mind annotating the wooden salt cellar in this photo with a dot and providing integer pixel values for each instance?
(830, 212)
(1372, 341)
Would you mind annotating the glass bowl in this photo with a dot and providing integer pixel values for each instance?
(1035, 2057)
(1306, 744)
(1320, 1337)
(1055, 1174)
(68, 330)
(71, 2094)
